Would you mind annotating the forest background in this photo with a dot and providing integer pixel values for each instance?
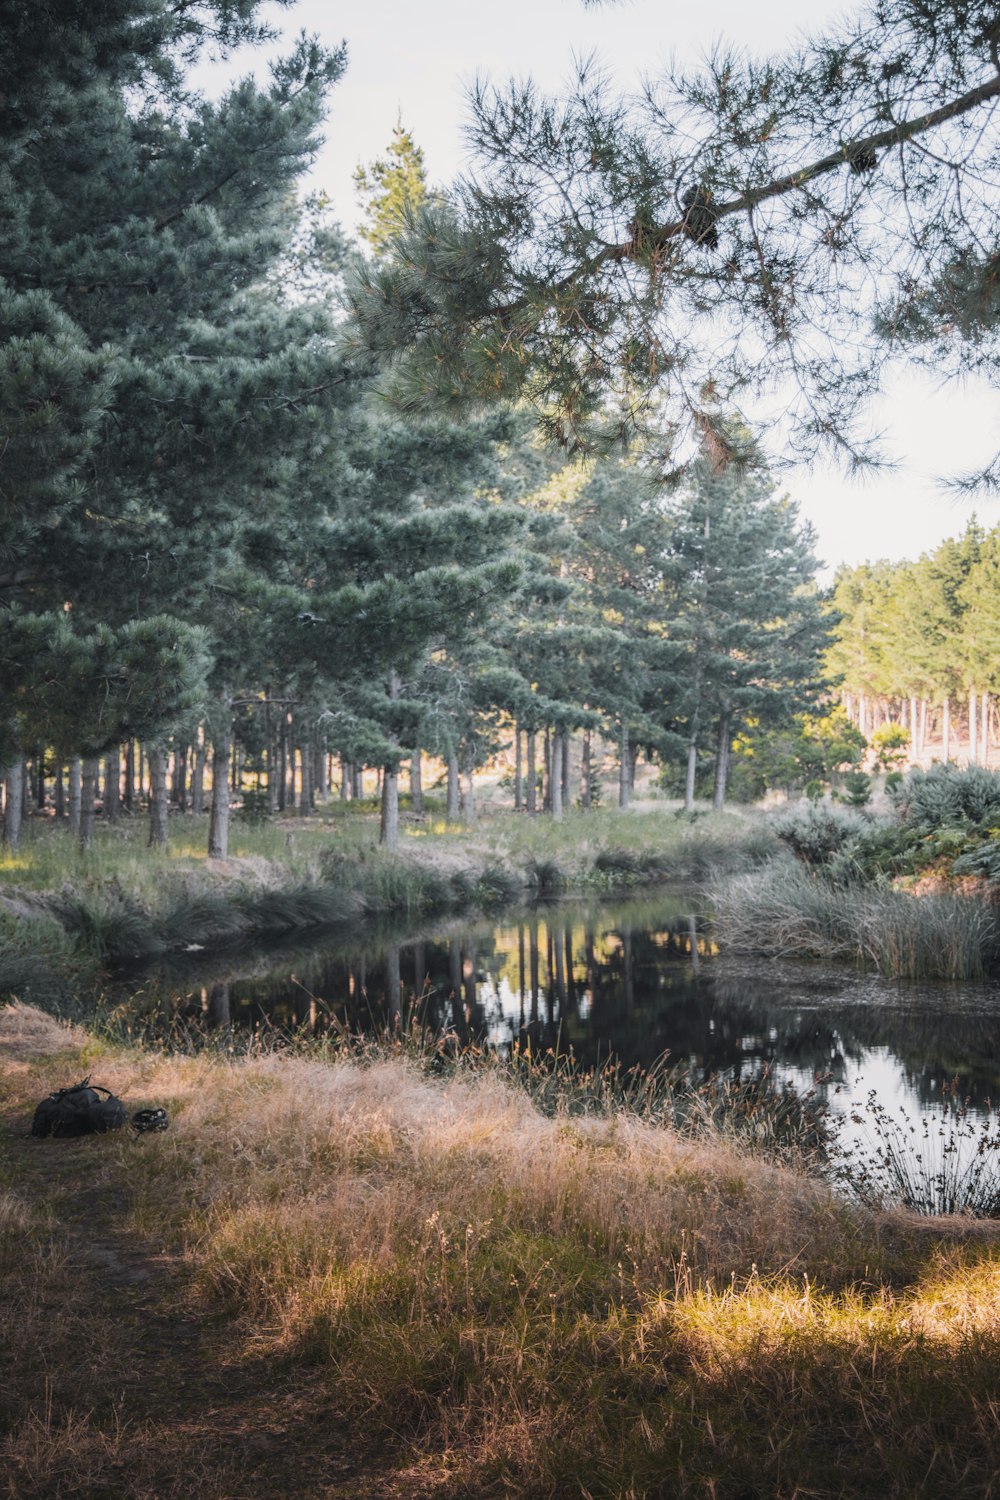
(247, 536)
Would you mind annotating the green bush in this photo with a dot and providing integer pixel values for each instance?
(817, 835)
(945, 796)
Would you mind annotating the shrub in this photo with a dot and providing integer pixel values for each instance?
(857, 789)
(818, 834)
(945, 796)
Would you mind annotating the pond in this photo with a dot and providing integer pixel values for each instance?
(635, 979)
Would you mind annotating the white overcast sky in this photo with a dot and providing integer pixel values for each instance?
(419, 60)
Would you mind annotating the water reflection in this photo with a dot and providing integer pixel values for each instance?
(636, 980)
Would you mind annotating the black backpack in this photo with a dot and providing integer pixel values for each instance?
(79, 1110)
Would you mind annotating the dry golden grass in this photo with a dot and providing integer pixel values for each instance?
(508, 1304)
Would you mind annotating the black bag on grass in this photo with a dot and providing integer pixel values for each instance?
(79, 1110)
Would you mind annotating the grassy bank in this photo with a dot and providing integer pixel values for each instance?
(788, 911)
(122, 900)
(467, 1296)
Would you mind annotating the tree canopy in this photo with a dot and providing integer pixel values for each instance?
(794, 221)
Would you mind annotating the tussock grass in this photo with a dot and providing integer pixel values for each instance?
(549, 1305)
(785, 911)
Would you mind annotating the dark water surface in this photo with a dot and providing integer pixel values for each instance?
(635, 979)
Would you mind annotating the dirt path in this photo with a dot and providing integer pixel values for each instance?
(124, 1382)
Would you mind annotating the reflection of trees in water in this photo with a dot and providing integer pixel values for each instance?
(638, 983)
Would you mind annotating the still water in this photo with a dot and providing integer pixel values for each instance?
(636, 980)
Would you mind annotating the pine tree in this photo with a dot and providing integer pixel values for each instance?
(391, 189)
(782, 202)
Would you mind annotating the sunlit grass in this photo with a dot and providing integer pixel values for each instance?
(571, 1306)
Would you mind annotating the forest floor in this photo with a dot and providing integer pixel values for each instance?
(332, 1280)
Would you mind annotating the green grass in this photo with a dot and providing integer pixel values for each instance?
(122, 900)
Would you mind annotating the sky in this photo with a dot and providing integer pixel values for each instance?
(419, 62)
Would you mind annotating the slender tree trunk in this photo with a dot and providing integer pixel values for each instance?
(547, 770)
(305, 782)
(417, 781)
(555, 779)
(359, 782)
(692, 768)
(198, 775)
(59, 792)
(452, 809)
(984, 721)
(75, 794)
(518, 774)
(863, 715)
(973, 737)
(531, 790)
(88, 796)
(566, 742)
(389, 828)
(112, 784)
(129, 775)
(345, 780)
(946, 731)
(282, 766)
(13, 804)
(218, 823)
(159, 806)
(721, 763)
(40, 778)
(585, 797)
(624, 758)
(321, 785)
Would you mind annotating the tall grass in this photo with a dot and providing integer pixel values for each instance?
(787, 912)
(536, 1303)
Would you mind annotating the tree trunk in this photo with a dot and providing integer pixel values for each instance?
(946, 731)
(88, 796)
(721, 764)
(358, 773)
(75, 794)
(862, 715)
(305, 781)
(13, 805)
(112, 784)
(417, 781)
(129, 775)
(585, 799)
(633, 761)
(692, 770)
(320, 782)
(40, 779)
(389, 828)
(518, 775)
(452, 809)
(282, 766)
(923, 725)
(345, 780)
(159, 806)
(218, 823)
(547, 771)
(555, 779)
(566, 742)
(60, 791)
(624, 758)
(531, 790)
(973, 702)
(984, 720)
(198, 776)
